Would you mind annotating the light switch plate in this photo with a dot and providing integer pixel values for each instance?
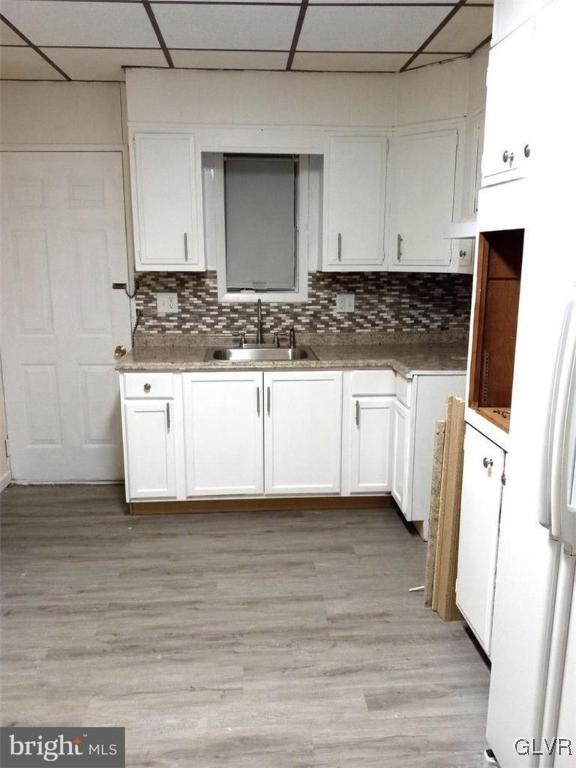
(166, 303)
(345, 302)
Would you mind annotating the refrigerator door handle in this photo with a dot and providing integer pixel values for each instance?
(550, 515)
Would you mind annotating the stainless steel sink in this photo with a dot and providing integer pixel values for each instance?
(256, 353)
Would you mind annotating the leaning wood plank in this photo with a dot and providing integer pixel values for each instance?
(450, 513)
(436, 586)
(434, 508)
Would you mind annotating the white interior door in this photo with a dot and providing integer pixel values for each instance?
(63, 245)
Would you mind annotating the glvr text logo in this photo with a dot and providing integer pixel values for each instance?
(555, 746)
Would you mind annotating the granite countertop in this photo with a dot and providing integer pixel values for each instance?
(419, 353)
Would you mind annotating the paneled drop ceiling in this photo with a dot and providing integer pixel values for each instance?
(95, 40)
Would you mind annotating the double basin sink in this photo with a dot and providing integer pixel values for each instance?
(260, 353)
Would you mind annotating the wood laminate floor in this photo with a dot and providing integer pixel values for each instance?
(266, 640)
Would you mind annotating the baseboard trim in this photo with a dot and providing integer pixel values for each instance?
(294, 504)
(5, 480)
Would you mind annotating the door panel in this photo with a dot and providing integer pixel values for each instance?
(150, 450)
(371, 420)
(223, 434)
(357, 180)
(303, 432)
(165, 200)
(479, 526)
(400, 442)
(422, 199)
(63, 244)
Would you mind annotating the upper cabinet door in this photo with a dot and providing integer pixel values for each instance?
(510, 94)
(510, 14)
(302, 432)
(167, 203)
(423, 172)
(354, 204)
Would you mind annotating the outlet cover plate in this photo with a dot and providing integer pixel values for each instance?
(345, 302)
(166, 303)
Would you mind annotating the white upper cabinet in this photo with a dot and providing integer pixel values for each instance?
(422, 189)
(167, 202)
(510, 94)
(354, 207)
(223, 434)
(302, 432)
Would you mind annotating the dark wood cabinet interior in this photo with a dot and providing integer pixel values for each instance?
(496, 320)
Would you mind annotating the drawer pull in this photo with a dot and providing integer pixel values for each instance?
(147, 387)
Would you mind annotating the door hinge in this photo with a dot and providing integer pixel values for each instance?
(503, 479)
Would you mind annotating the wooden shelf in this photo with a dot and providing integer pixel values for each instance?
(495, 324)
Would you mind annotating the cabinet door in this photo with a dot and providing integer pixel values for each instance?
(421, 199)
(223, 434)
(166, 202)
(370, 443)
(400, 444)
(356, 180)
(150, 445)
(479, 526)
(302, 434)
(509, 95)
(510, 14)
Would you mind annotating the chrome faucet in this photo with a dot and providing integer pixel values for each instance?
(259, 333)
(292, 338)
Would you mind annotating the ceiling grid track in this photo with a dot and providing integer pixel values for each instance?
(159, 35)
(35, 48)
(297, 31)
(434, 34)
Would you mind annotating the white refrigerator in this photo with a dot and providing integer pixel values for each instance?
(532, 703)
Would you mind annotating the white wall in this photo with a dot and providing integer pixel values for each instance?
(305, 99)
(61, 113)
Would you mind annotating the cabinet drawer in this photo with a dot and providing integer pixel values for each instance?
(372, 383)
(151, 385)
(403, 390)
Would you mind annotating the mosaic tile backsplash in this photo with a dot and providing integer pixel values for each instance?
(384, 302)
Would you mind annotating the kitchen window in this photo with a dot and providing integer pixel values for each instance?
(256, 221)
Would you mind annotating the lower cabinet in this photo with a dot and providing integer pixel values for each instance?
(400, 457)
(302, 432)
(223, 448)
(482, 490)
(370, 444)
(150, 449)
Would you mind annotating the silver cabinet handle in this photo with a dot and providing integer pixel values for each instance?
(399, 247)
(258, 400)
(527, 150)
(185, 246)
(147, 387)
(339, 246)
(268, 400)
(358, 413)
(168, 417)
(505, 156)
(488, 463)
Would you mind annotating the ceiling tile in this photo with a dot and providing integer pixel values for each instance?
(227, 26)
(385, 2)
(465, 30)
(337, 28)
(25, 64)
(47, 22)
(229, 59)
(7, 37)
(103, 64)
(350, 62)
(424, 59)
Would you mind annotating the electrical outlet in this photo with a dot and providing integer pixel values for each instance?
(166, 303)
(345, 302)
